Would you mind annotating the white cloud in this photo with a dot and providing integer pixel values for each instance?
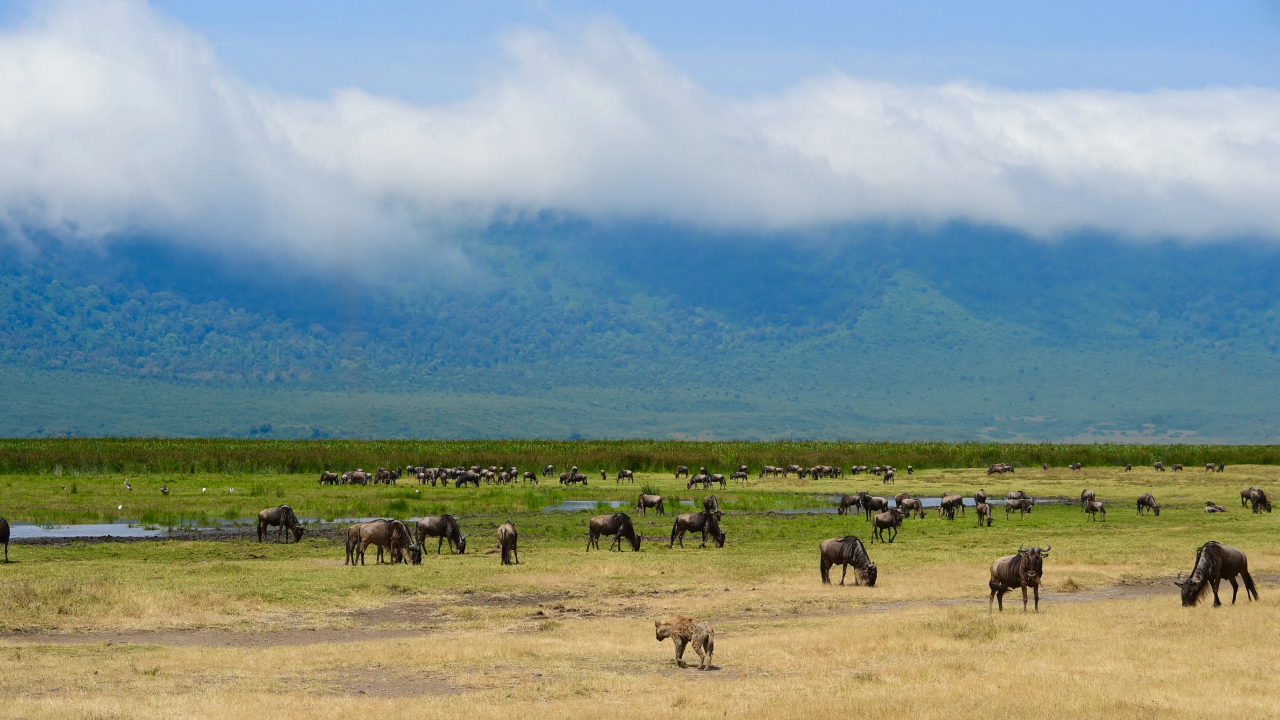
(117, 120)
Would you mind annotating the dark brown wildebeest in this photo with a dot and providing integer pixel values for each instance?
(618, 524)
(848, 503)
(910, 470)
(889, 520)
(530, 475)
(359, 477)
(329, 478)
(650, 501)
(699, 479)
(1085, 496)
(1093, 507)
(548, 470)
(703, 522)
(872, 504)
(790, 469)
(1076, 466)
(847, 551)
(768, 470)
(1259, 500)
(716, 478)
(1214, 562)
(1208, 467)
(1177, 467)
(468, 477)
(948, 505)
(897, 499)
(507, 543)
(626, 475)
(1045, 466)
(444, 527)
(984, 514)
(1022, 505)
(1147, 502)
(1128, 467)
(1159, 466)
(389, 535)
(913, 505)
(740, 476)
(711, 504)
(1246, 495)
(283, 518)
(4, 537)
(1015, 495)
(1211, 507)
(1011, 572)
(889, 477)
(1221, 467)
(682, 470)
(743, 469)
(979, 497)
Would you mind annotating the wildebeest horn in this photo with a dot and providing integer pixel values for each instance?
(1020, 546)
(1046, 550)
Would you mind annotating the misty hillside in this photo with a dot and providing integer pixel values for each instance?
(559, 328)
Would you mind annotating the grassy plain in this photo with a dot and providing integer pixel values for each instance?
(232, 628)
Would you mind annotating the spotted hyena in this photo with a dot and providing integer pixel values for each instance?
(683, 630)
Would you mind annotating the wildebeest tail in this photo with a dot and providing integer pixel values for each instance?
(997, 587)
(1249, 587)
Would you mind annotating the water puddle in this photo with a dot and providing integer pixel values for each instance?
(581, 505)
(123, 528)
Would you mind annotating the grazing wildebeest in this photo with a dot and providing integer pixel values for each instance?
(1128, 467)
(1022, 505)
(847, 551)
(716, 478)
(1045, 466)
(1011, 572)
(1221, 467)
(444, 527)
(1211, 507)
(910, 470)
(684, 630)
(468, 477)
(389, 535)
(890, 520)
(1093, 507)
(703, 522)
(283, 518)
(530, 475)
(848, 503)
(1208, 467)
(618, 524)
(979, 497)
(1147, 502)
(1177, 467)
(743, 469)
(741, 476)
(890, 477)
(1085, 496)
(872, 504)
(948, 505)
(546, 471)
(359, 477)
(984, 514)
(650, 501)
(1159, 466)
(913, 505)
(711, 504)
(768, 470)
(682, 470)
(699, 479)
(1259, 500)
(1215, 561)
(1076, 466)
(507, 543)
(4, 537)
(1246, 495)
(329, 478)
(897, 499)
(626, 475)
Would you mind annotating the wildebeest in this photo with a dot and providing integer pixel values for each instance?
(983, 511)
(1246, 495)
(650, 501)
(1147, 502)
(1159, 466)
(1011, 572)
(1221, 467)
(699, 479)
(890, 477)
(682, 470)
(979, 497)
(1211, 507)
(1075, 466)
(716, 478)
(847, 551)
(1093, 507)
(507, 543)
(546, 471)
(897, 499)
(1208, 467)
(618, 524)
(1214, 562)
(847, 504)
(910, 470)
(390, 535)
(872, 504)
(329, 478)
(1128, 467)
(444, 527)
(605, 476)
(1085, 496)
(889, 520)
(530, 475)
(626, 475)
(913, 505)
(1015, 495)
(703, 522)
(1259, 500)
(283, 518)
(1177, 467)
(711, 504)
(1045, 466)
(468, 477)
(4, 537)
(768, 470)
(1022, 505)
(948, 505)
(741, 476)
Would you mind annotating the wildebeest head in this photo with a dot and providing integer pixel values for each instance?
(1033, 560)
(1156, 509)
(298, 530)
(720, 538)
(462, 544)
(415, 554)
(868, 576)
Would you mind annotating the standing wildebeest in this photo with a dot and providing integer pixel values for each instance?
(390, 535)
(507, 543)
(530, 475)
(283, 518)
(1011, 572)
(1214, 562)
(329, 478)
(847, 551)
(703, 522)
(4, 537)
(910, 470)
(717, 478)
(1015, 495)
(444, 527)
(626, 475)
(741, 476)
(890, 520)
(1177, 467)
(1246, 495)
(1221, 467)
(681, 470)
(848, 503)
(1159, 466)
(1147, 502)
(1022, 505)
(897, 499)
(889, 477)
(618, 524)
(1259, 500)
(984, 514)
(913, 505)
(1093, 507)
(1085, 496)
(979, 497)
(1045, 466)
(872, 504)
(650, 501)
(948, 505)
(711, 504)
(767, 470)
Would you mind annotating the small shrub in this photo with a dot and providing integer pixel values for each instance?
(74, 489)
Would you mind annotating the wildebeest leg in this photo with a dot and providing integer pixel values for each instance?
(1000, 598)
(1235, 588)
(893, 533)
(1024, 599)
(1036, 590)
(1216, 601)
(440, 544)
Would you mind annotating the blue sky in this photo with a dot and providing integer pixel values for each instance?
(431, 51)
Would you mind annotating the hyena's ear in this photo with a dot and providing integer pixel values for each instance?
(657, 624)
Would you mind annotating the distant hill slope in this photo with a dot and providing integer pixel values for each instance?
(560, 328)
